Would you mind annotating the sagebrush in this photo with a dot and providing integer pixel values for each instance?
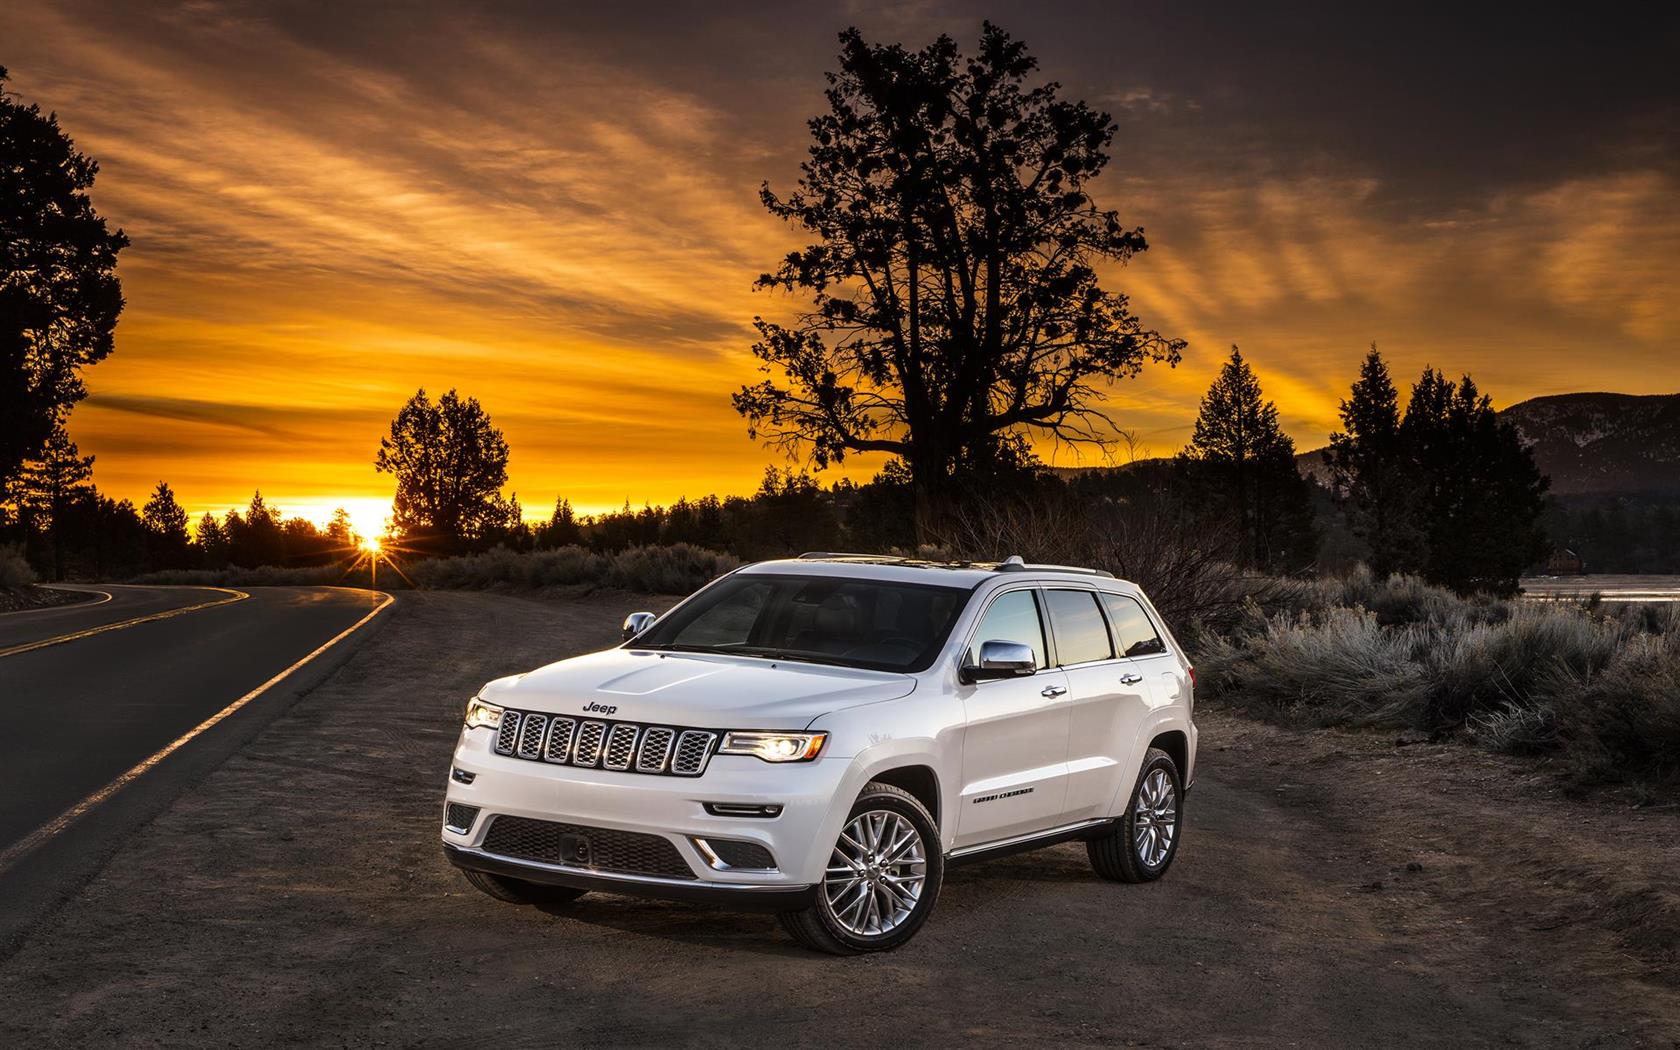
(1597, 685)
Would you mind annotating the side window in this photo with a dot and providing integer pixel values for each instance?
(1081, 634)
(1013, 617)
(1133, 632)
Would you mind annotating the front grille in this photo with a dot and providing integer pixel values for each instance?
(694, 746)
(738, 854)
(580, 846)
(458, 817)
(589, 743)
(624, 747)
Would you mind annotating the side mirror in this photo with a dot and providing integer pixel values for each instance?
(1001, 659)
(636, 623)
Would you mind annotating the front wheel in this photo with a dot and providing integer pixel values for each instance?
(882, 879)
(1144, 841)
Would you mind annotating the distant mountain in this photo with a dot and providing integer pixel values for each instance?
(1591, 444)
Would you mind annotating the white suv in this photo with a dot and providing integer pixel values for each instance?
(822, 737)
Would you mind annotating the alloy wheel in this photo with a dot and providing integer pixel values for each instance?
(1155, 818)
(875, 874)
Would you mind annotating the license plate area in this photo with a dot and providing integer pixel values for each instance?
(574, 849)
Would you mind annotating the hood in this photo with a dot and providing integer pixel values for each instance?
(704, 690)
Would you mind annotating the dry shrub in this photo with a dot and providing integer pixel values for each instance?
(15, 573)
(676, 569)
(1597, 686)
(262, 576)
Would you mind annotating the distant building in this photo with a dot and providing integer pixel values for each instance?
(1565, 562)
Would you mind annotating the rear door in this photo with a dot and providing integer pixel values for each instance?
(1015, 745)
(1109, 699)
(1143, 650)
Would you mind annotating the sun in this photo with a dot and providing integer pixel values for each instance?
(371, 545)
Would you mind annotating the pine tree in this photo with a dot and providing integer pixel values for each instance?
(1370, 473)
(1243, 455)
(212, 543)
(341, 535)
(50, 486)
(1483, 495)
(166, 528)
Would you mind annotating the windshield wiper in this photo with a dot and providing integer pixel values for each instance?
(771, 653)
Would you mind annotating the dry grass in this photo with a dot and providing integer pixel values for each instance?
(1598, 687)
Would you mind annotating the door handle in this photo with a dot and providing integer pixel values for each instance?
(1052, 691)
(1130, 679)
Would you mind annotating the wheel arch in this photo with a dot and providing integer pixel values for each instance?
(920, 780)
(1177, 745)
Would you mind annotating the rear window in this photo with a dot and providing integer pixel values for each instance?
(1081, 634)
(1134, 634)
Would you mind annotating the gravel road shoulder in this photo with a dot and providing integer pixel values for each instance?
(1333, 891)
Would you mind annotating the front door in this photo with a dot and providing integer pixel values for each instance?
(1015, 743)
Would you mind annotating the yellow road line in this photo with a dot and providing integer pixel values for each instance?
(237, 596)
(46, 831)
(104, 596)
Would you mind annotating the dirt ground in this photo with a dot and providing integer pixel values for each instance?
(1332, 891)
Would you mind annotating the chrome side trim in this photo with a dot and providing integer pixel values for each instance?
(1020, 840)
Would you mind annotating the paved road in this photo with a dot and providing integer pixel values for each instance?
(110, 604)
(84, 712)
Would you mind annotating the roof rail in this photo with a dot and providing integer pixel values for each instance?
(834, 555)
(1015, 563)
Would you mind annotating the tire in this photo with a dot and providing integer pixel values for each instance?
(1128, 853)
(518, 891)
(838, 921)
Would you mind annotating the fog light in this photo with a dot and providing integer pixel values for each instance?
(461, 776)
(743, 809)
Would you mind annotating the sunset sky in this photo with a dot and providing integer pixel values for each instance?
(552, 207)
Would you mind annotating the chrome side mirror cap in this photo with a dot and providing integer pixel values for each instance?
(636, 623)
(1001, 659)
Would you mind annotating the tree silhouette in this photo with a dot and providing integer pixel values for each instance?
(166, 528)
(49, 487)
(59, 293)
(450, 464)
(212, 543)
(1482, 495)
(340, 534)
(561, 529)
(956, 303)
(1371, 474)
(1241, 456)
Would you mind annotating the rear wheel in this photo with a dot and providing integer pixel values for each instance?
(1144, 841)
(518, 891)
(882, 879)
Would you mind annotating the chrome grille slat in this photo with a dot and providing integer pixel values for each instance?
(621, 746)
(590, 737)
(656, 748)
(694, 747)
(508, 735)
(560, 740)
(531, 735)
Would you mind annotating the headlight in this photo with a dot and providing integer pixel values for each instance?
(774, 747)
(481, 713)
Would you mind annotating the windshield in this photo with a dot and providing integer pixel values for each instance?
(814, 619)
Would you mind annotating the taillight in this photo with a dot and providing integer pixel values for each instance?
(1192, 671)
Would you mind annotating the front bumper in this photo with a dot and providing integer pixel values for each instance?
(769, 898)
(799, 838)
